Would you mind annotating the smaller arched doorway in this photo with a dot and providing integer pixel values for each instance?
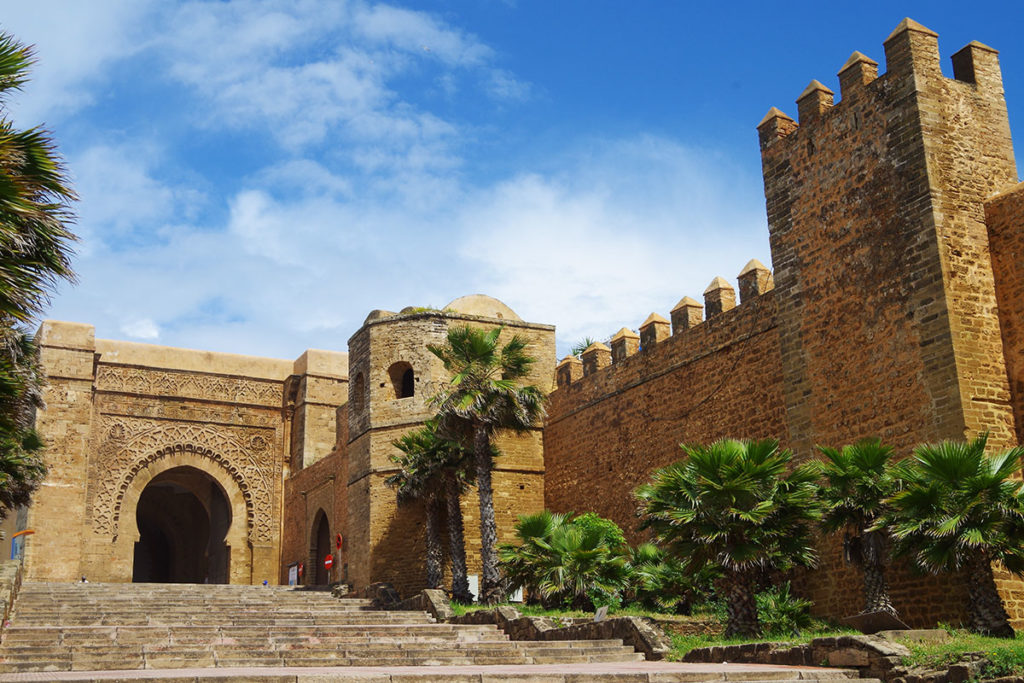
(183, 517)
(320, 548)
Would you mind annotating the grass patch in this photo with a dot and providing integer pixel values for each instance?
(681, 644)
(556, 613)
(1006, 656)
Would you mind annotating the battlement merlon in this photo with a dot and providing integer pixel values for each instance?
(912, 60)
(755, 280)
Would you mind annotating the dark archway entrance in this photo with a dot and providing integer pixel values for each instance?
(183, 517)
(321, 548)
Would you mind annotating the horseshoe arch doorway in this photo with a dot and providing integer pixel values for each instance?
(183, 517)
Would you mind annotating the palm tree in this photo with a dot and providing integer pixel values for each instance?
(963, 510)
(35, 253)
(434, 469)
(661, 582)
(35, 201)
(21, 465)
(416, 480)
(484, 397)
(567, 562)
(860, 480)
(733, 506)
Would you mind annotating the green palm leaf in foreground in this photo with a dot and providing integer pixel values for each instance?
(963, 510)
(738, 507)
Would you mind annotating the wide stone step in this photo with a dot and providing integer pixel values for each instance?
(12, 653)
(142, 619)
(88, 661)
(20, 633)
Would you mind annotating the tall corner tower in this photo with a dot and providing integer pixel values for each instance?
(877, 224)
(887, 306)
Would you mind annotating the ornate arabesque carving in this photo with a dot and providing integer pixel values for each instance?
(130, 445)
(189, 385)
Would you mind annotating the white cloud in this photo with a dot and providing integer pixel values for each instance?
(142, 328)
(76, 44)
(505, 86)
(364, 201)
(305, 70)
(121, 201)
(627, 228)
(415, 31)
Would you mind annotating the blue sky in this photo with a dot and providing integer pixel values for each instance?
(256, 177)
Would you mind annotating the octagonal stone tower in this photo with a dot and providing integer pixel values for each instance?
(393, 374)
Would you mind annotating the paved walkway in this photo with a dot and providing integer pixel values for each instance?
(627, 672)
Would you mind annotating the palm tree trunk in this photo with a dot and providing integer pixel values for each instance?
(876, 590)
(741, 606)
(490, 588)
(873, 551)
(456, 540)
(988, 616)
(434, 553)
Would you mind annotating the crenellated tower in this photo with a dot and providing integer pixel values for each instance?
(884, 279)
(887, 307)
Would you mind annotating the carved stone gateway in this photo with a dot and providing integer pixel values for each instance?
(206, 435)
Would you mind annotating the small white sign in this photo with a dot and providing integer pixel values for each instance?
(293, 575)
(474, 586)
(601, 613)
(517, 596)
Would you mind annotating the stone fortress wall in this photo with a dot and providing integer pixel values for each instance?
(891, 315)
(895, 309)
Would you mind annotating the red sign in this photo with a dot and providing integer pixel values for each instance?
(337, 541)
(329, 561)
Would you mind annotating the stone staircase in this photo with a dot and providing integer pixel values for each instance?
(57, 627)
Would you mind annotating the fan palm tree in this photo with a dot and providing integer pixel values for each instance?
(565, 563)
(35, 201)
(963, 510)
(416, 480)
(434, 469)
(21, 465)
(661, 582)
(737, 507)
(35, 254)
(485, 396)
(860, 480)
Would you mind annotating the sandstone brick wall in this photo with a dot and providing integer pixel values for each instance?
(1004, 215)
(54, 551)
(1005, 219)
(321, 385)
(606, 432)
(317, 487)
(882, 323)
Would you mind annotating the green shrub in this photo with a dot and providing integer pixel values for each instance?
(662, 583)
(563, 561)
(781, 613)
